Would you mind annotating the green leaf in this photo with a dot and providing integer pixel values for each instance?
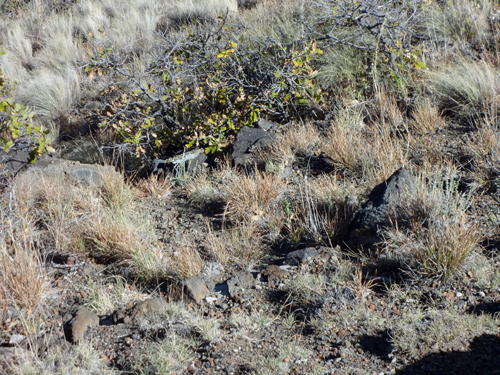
(7, 146)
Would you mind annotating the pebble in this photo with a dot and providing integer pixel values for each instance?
(450, 295)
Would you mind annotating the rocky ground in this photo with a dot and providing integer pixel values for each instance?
(170, 227)
(303, 308)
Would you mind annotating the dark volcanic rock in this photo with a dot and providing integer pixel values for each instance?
(385, 202)
(296, 258)
(248, 140)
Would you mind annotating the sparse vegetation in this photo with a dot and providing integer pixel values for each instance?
(387, 271)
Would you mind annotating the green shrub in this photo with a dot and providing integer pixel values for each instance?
(16, 123)
(206, 87)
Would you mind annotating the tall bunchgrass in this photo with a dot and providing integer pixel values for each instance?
(439, 235)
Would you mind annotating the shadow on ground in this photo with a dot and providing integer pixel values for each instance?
(490, 308)
(483, 357)
(378, 345)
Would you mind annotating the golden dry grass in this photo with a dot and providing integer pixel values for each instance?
(253, 195)
(187, 261)
(23, 279)
(373, 154)
(241, 245)
(426, 118)
(300, 139)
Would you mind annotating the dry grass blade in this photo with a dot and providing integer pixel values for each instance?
(252, 195)
(445, 246)
(426, 118)
(361, 284)
(241, 245)
(187, 261)
(23, 279)
(154, 186)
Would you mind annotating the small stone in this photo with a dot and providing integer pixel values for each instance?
(372, 307)
(450, 295)
(481, 294)
(128, 341)
(16, 339)
(458, 295)
(70, 261)
(341, 333)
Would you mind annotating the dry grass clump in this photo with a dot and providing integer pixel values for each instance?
(252, 195)
(426, 118)
(81, 359)
(306, 286)
(373, 154)
(23, 279)
(106, 294)
(328, 204)
(457, 21)
(370, 151)
(300, 139)
(154, 186)
(485, 149)
(187, 261)
(241, 245)
(105, 222)
(470, 85)
(166, 356)
(440, 235)
(386, 110)
(435, 328)
(201, 189)
(440, 250)
(319, 211)
(182, 11)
